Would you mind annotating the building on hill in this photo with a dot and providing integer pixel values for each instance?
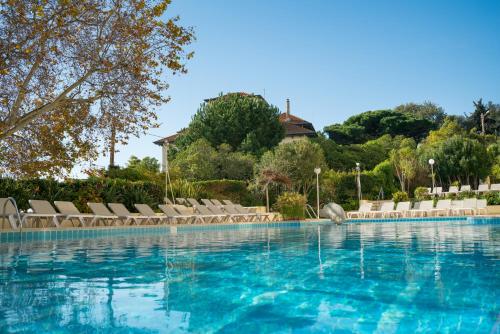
(295, 127)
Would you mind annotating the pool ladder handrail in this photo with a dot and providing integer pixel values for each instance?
(310, 212)
(18, 214)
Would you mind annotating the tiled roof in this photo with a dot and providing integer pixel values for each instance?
(297, 130)
(284, 117)
(168, 139)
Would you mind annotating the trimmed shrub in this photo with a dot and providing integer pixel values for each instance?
(493, 198)
(400, 196)
(422, 194)
(291, 205)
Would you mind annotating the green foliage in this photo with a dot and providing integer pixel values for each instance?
(200, 161)
(405, 162)
(369, 154)
(400, 196)
(449, 128)
(82, 191)
(185, 189)
(373, 124)
(422, 194)
(245, 122)
(234, 165)
(146, 169)
(427, 110)
(234, 190)
(296, 160)
(340, 187)
(494, 155)
(197, 161)
(493, 198)
(458, 158)
(491, 119)
(291, 205)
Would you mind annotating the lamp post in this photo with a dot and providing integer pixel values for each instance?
(358, 183)
(431, 162)
(317, 170)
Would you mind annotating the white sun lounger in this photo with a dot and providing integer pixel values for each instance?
(231, 215)
(208, 202)
(402, 208)
(423, 208)
(465, 188)
(101, 210)
(267, 216)
(452, 190)
(467, 206)
(43, 210)
(438, 191)
(443, 207)
(363, 211)
(122, 212)
(146, 210)
(71, 213)
(483, 188)
(209, 216)
(386, 209)
(175, 216)
(481, 206)
(193, 202)
(239, 216)
(495, 187)
(217, 202)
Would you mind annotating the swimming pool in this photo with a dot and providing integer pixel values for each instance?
(385, 277)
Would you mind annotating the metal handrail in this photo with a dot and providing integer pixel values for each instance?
(13, 201)
(310, 209)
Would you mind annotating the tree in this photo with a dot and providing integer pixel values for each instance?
(405, 163)
(296, 160)
(201, 161)
(427, 110)
(368, 154)
(491, 112)
(146, 169)
(72, 70)
(234, 165)
(458, 158)
(148, 164)
(373, 124)
(449, 129)
(197, 161)
(245, 122)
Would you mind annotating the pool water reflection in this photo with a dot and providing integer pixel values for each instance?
(363, 278)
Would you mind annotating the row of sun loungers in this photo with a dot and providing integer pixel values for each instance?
(446, 207)
(482, 188)
(116, 214)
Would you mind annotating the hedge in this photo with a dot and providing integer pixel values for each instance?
(340, 187)
(108, 190)
(82, 191)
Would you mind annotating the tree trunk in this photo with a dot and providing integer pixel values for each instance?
(112, 147)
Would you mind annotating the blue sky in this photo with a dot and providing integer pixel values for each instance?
(333, 59)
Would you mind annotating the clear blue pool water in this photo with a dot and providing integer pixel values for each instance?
(356, 278)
